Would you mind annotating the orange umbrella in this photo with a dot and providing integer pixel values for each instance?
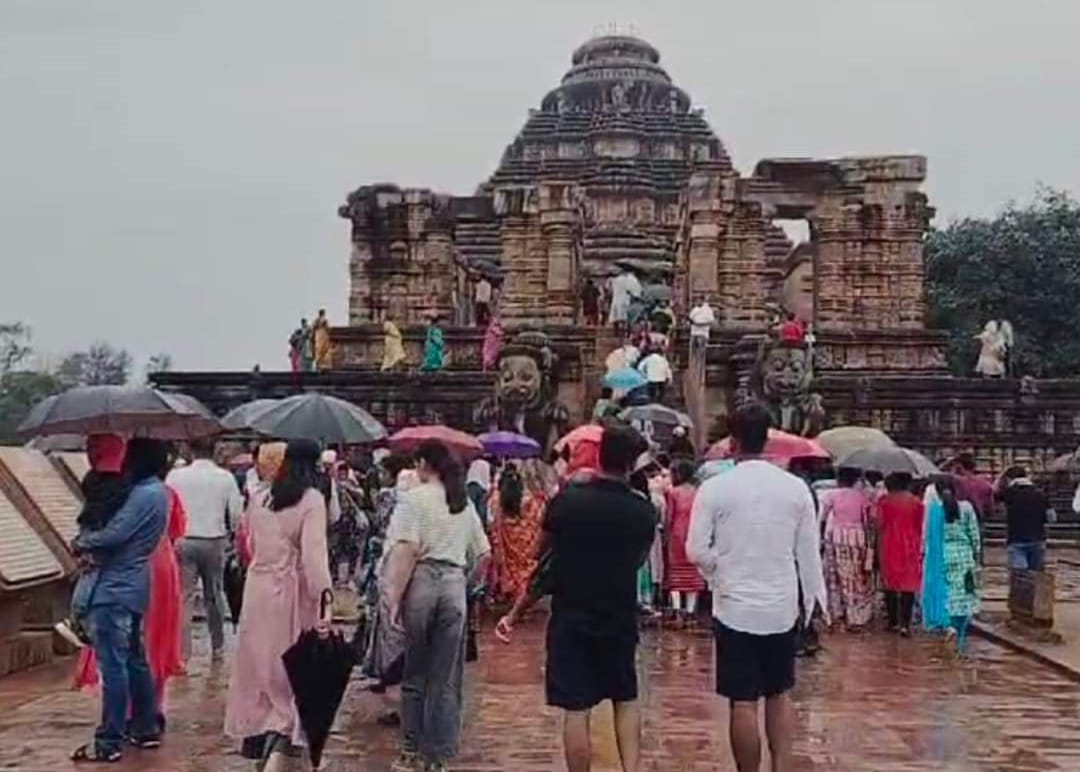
(780, 448)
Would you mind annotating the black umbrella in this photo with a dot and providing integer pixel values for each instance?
(141, 410)
(318, 668)
(240, 418)
(234, 587)
(314, 416)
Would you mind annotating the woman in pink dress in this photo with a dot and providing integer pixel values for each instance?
(164, 612)
(849, 553)
(684, 581)
(288, 575)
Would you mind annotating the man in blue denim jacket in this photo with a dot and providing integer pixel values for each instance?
(118, 591)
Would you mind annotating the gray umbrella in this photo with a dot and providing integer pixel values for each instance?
(241, 417)
(891, 460)
(140, 411)
(315, 416)
(656, 414)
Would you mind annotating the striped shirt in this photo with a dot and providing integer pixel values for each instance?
(422, 517)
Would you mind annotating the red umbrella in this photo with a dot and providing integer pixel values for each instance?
(586, 433)
(780, 448)
(408, 440)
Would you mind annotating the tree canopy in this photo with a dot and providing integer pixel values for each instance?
(20, 388)
(99, 365)
(1022, 266)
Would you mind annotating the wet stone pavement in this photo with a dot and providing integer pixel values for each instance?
(866, 703)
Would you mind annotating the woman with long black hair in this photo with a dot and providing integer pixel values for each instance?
(289, 572)
(434, 535)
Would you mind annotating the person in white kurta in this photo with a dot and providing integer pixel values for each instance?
(623, 287)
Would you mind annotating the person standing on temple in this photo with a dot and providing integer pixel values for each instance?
(482, 300)
(321, 337)
(307, 347)
(624, 288)
(434, 348)
(590, 302)
(702, 318)
(296, 346)
(393, 347)
(493, 343)
(657, 372)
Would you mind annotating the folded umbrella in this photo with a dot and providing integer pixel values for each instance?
(233, 579)
(408, 440)
(318, 417)
(895, 460)
(780, 448)
(140, 411)
(509, 445)
(624, 379)
(319, 668)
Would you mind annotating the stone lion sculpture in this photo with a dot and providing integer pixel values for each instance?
(782, 380)
(525, 399)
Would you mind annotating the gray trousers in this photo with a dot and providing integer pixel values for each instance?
(203, 560)
(434, 619)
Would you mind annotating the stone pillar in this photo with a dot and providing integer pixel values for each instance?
(558, 222)
(744, 270)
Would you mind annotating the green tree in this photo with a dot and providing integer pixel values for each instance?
(1022, 266)
(20, 389)
(158, 363)
(99, 365)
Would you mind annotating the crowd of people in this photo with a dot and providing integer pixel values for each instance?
(427, 541)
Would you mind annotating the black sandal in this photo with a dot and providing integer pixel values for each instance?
(91, 754)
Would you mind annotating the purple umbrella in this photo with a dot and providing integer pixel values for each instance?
(509, 445)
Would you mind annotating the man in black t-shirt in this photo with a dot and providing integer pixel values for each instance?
(1027, 511)
(599, 533)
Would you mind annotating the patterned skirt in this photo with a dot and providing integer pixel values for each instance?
(850, 585)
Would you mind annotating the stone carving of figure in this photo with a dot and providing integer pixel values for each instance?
(393, 349)
(996, 341)
(321, 338)
(434, 348)
(525, 399)
(618, 97)
(673, 101)
(782, 379)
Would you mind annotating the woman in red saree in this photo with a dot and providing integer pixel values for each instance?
(900, 525)
(163, 613)
(518, 514)
(684, 581)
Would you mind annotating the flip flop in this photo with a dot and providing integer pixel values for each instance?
(91, 754)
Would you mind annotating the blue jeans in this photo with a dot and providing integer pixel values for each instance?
(1030, 555)
(116, 635)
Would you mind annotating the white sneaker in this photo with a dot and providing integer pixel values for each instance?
(66, 631)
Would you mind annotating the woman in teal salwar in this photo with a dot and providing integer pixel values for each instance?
(950, 576)
(434, 348)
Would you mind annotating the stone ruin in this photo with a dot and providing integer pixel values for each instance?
(616, 167)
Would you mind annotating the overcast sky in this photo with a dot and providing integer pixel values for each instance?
(170, 171)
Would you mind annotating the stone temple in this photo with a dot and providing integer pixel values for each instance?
(615, 166)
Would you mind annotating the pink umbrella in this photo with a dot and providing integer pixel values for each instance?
(586, 433)
(408, 440)
(780, 448)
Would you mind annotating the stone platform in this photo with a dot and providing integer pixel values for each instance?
(867, 704)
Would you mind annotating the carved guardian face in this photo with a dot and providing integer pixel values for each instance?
(787, 372)
(520, 381)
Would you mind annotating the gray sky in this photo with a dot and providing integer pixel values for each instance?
(170, 171)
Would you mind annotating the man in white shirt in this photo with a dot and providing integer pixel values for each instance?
(657, 372)
(702, 318)
(754, 537)
(213, 503)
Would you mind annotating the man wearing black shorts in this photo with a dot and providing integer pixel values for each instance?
(753, 535)
(599, 533)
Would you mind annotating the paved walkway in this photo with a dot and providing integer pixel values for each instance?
(867, 703)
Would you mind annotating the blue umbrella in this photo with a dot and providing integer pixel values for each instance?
(624, 379)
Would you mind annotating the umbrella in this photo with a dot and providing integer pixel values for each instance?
(509, 445)
(780, 448)
(319, 668)
(655, 422)
(233, 579)
(845, 440)
(241, 417)
(624, 379)
(890, 460)
(408, 440)
(585, 433)
(1066, 463)
(656, 292)
(140, 411)
(314, 416)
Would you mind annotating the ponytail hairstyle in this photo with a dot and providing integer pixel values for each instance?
(946, 489)
(449, 471)
(511, 491)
